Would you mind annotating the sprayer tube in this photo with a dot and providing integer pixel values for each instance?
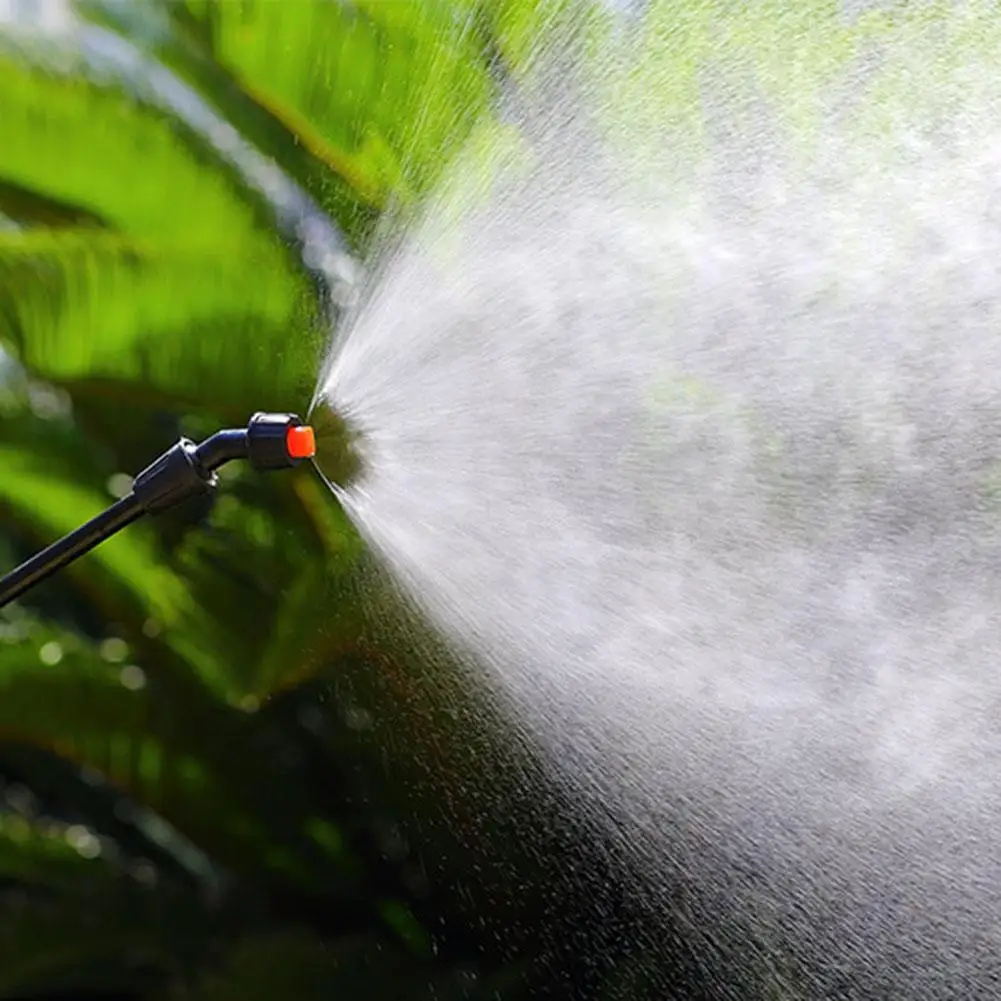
(68, 548)
(221, 448)
(186, 470)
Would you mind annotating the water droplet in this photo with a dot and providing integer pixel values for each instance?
(133, 677)
(12, 632)
(114, 650)
(51, 653)
(20, 798)
(119, 484)
(83, 841)
(357, 719)
(145, 872)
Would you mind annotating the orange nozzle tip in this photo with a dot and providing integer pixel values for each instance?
(301, 442)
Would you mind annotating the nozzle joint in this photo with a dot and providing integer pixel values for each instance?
(187, 470)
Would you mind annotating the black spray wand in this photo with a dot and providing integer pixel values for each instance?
(269, 441)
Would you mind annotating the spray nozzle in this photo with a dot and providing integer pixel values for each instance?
(278, 441)
(269, 441)
(338, 446)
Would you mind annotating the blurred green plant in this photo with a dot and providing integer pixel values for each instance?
(175, 816)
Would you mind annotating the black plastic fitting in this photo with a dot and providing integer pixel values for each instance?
(172, 479)
(188, 470)
(267, 440)
(221, 448)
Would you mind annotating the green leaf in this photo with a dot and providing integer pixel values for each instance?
(95, 146)
(187, 323)
(287, 658)
(191, 289)
(169, 33)
(31, 855)
(301, 581)
(142, 843)
(26, 208)
(316, 625)
(251, 557)
(122, 573)
(131, 938)
(47, 491)
(56, 693)
(381, 92)
(167, 744)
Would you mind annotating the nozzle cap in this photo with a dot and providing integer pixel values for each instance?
(268, 441)
(300, 442)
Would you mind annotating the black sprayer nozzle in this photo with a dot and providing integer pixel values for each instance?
(270, 441)
(274, 441)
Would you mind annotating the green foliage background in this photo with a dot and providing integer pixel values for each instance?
(179, 814)
(195, 799)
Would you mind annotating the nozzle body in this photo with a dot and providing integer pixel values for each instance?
(271, 439)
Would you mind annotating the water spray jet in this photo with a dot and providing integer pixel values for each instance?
(338, 448)
(691, 452)
(269, 441)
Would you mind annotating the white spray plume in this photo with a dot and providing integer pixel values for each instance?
(709, 475)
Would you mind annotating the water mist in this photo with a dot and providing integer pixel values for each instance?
(694, 443)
